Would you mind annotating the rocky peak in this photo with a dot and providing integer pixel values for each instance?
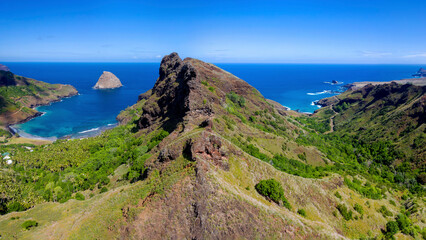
(108, 80)
(191, 91)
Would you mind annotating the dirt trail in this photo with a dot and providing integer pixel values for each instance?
(17, 111)
(331, 121)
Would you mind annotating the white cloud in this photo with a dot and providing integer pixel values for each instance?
(415, 55)
(158, 56)
(375, 54)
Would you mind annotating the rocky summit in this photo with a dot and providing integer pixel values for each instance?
(108, 80)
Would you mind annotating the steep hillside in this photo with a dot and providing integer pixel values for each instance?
(202, 155)
(19, 95)
(392, 113)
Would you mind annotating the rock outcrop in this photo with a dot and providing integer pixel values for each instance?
(107, 81)
(4, 68)
(189, 90)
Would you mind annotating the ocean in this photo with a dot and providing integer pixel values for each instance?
(296, 86)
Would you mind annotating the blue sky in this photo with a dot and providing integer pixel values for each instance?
(299, 31)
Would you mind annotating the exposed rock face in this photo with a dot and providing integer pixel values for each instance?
(4, 68)
(108, 80)
(189, 90)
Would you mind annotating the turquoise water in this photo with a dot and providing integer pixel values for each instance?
(293, 85)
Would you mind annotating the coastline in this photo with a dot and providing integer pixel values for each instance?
(93, 132)
(14, 131)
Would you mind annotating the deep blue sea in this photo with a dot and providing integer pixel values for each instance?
(295, 86)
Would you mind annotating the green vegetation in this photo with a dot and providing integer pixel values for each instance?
(385, 212)
(236, 99)
(337, 194)
(346, 214)
(391, 228)
(29, 224)
(321, 126)
(54, 172)
(302, 212)
(358, 208)
(273, 190)
(79, 196)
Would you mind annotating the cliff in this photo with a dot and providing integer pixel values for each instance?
(20, 95)
(107, 81)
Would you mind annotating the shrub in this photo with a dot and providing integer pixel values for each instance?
(104, 180)
(79, 196)
(302, 156)
(337, 194)
(385, 212)
(237, 99)
(358, 208)
(273, 190)
(104, 189)
(29, 224)
(15, 207)
(347, 214)
(392, 227)
(302, 212)
(205, 83)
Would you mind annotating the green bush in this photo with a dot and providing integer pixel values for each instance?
(79, 196)
(237, 99)
(302, 212)
(347, 214)
(385, 212)
(392, 227)
(273, 190)
(15, 207)
(29, 224)
(358, 208)
(337, 194)
(104, 189)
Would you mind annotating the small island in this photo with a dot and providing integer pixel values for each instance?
(421, 73)
(108, 81)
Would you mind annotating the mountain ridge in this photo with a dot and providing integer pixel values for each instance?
(188, 160)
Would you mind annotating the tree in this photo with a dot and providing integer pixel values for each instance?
(273, 190)
(392, 227)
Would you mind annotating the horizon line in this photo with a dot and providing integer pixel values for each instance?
(277, 63)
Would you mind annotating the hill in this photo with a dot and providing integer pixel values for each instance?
(20, 95)
(391, 114)
(203, 155)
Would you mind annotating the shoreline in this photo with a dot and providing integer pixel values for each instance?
(13, 131)
(93, 132)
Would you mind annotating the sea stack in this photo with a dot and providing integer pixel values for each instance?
(107, 81)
